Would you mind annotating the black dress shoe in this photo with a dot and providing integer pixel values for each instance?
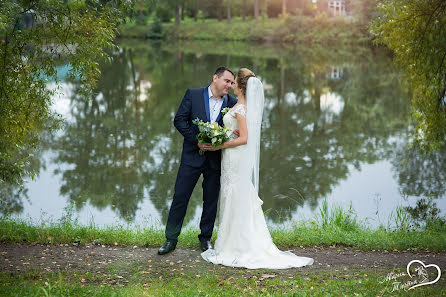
(167, 247)
(205, 245)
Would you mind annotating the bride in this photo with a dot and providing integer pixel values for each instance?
(243, 238)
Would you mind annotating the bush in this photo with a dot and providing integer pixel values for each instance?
(156, 29)
(163, 13)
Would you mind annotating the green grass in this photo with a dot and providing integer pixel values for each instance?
(333, 226)
(292, 29)
(134, 31)
(351, 282)
(336, 226)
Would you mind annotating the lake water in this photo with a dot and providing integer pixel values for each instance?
(336, 127)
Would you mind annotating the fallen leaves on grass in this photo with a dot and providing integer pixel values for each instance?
(266, 276)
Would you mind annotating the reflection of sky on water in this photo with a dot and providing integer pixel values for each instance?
(61, 100)
(370, 189)
(332, 103)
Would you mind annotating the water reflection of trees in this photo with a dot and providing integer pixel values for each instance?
(121, 146)
(308, 147)
(12, 196)
(102, 143)
(420, 175)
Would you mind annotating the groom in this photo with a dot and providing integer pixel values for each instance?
(206, 104)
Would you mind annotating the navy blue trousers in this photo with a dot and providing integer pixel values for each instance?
(187, 178)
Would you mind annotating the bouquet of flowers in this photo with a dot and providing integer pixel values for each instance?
(211, 133)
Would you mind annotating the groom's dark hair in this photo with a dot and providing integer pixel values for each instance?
(220, 70)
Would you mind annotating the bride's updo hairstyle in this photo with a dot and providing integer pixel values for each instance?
(242, 79)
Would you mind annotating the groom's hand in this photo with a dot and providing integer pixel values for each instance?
(207, 147)
(202, 146)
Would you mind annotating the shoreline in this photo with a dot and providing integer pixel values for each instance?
(289, 30)
(299, 235)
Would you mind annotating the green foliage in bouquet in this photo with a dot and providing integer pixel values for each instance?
(211, 133)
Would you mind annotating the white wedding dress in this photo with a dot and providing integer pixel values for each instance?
(243, 238)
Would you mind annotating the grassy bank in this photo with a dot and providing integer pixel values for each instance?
(333, 226)
(291, 29)
(299, 234)
(288, 54)
(218, 283)
(97, 274)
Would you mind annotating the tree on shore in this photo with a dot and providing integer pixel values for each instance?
(195, 10)
(256, 9)
(415, 31)
(284, 7)
(228, 10)
(244, 10)
(177, 8)
(37, 36)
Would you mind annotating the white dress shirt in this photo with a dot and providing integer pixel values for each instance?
(214, 105)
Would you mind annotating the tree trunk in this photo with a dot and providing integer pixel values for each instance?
(282, 82)
(244, 10)
(317, 97)
(256, 9)
(177, 15)
(219, 12)
(264, 8)
(256, 63)
(228, 10)
(195, 10)
(182, 11)
(140, 12)
(284, 7)
(282, 111)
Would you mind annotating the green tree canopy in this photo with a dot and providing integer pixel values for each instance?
(416, 32)
(36, 36)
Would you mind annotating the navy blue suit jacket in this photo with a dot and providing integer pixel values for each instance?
(195, 104)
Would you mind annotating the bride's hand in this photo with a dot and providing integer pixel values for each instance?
(213, 148)
(206, 147)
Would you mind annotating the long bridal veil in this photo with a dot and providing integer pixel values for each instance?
(254, 105)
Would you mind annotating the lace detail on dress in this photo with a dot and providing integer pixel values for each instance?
(231, 157)
(238, 108)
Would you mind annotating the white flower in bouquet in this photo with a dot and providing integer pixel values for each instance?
(211, 133)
